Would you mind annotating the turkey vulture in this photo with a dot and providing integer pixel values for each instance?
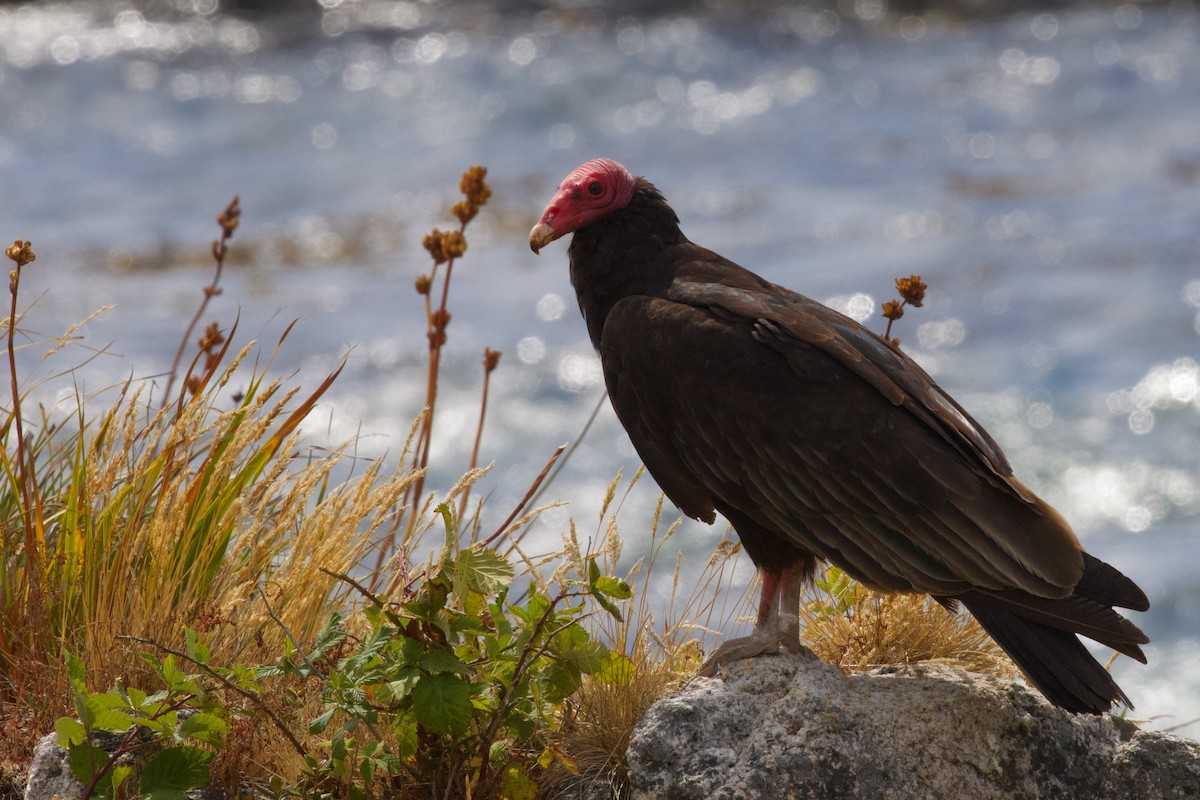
(818, 440)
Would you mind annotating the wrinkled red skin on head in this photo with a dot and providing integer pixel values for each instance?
(574, 205)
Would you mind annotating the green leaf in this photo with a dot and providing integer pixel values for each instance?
(196, 649)
(399, 687)
(405, 730)
(69, 732)
(518, 785)
(319, 724)
(562, 680)
(173, 772)
(609, 606)
(442, 704)
(86, 760)
(203, 727)
(613, 587)
(76, 670)
(120, 773)
(485, 571)
(136, 698)
(593, 573)
(331, 635)
(618, 670)
(101, 715)
(442, 661)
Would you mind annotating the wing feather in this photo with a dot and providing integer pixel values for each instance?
(767, 410)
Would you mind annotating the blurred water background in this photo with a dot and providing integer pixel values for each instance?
(1039, 166)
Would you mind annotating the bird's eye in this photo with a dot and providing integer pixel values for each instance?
(595, 188)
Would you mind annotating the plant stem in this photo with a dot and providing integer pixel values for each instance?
(219, 250)
(24, 473)
(254, 699)
(489, 364)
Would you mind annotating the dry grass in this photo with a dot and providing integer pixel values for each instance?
(858, 629)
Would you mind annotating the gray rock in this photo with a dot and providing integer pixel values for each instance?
(785, 727)
(50, 774)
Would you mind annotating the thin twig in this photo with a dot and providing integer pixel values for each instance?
(587, 426)
(490, 359)
(288, 634)
(525, 500)
(254, 699)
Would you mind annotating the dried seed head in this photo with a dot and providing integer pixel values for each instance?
(212, 337)
(474, 185)
(475, 190)
(893, 309)
(21, 252)
(912, 289)
(229, 218)
(464, 211)
(434, 242)
(454, 244)
(423, 284)
(491, 358)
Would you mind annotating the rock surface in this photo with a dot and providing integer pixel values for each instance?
(785, 727)
(50, 773)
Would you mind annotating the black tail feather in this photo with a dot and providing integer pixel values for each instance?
(1105, 584)
(1053, 660)
(1039, 634)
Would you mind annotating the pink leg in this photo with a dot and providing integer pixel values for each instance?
(777, 629)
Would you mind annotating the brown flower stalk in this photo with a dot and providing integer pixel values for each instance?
(444, 247)
(912, 293)
(21, 253)
(228, 220)
(491, 359)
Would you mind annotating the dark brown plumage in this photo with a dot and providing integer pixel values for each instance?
(818, 440)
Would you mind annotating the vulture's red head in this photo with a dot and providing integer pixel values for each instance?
(594, 189)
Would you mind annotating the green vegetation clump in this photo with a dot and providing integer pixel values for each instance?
(191, 596)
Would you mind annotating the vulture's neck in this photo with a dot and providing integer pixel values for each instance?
(623, 254)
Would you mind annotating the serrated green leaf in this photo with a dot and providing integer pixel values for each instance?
(442, 703)
(436, 661)
(76, 670)
(136, 697)
(101, 715)
(593, 573)
(399, 687)
(69, 732)
(86, 761)
(331, 632)
(562, 680)
(485, 571)
(196, 649)
(320, 723)
(203, 727)
(171, 773)
(613, 587)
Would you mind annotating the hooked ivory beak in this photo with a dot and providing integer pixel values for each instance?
(541, 235)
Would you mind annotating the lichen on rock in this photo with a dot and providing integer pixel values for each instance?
(786, 727)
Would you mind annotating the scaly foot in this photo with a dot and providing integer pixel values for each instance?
(763, 641)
